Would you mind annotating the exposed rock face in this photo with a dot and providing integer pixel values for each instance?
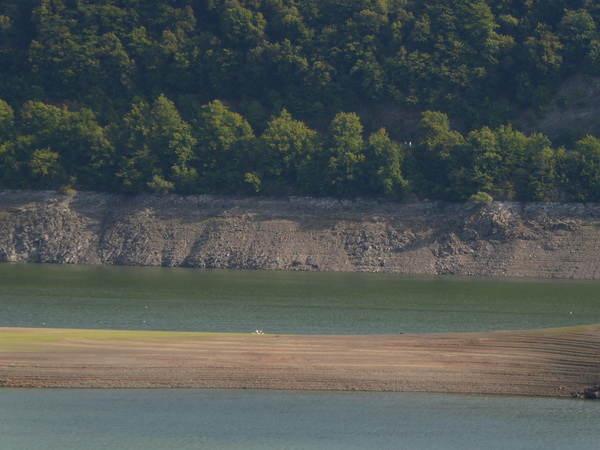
(506, 239)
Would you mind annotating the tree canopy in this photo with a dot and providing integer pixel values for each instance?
(274, 96)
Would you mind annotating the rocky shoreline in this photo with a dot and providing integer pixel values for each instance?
(548, 240)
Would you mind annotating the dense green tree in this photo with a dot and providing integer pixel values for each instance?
(543, 66)
(83, 150)
(172, 138)
(436, 155)
(538, 169)
(242, 27)
(136, 162)
(116, 67)
(10, 167)
(285, 145)
(580, 170)
(511, 182)
(222, 152)
(344, 174)
(160, 147)
(61, 58)
(383, 166)
(45, 168)
(7, 121)
(495, 168)
(576, 31)
(485, 161)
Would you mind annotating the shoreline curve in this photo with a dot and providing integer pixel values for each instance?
(554, 362)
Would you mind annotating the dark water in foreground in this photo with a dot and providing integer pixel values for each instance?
(284, 302)
(248, 419)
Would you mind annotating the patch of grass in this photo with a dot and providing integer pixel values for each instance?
(562, 331)
(39, 338)
(26, 341)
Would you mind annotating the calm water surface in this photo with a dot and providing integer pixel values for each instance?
(287, 302)
(247, 419)
(154, 298)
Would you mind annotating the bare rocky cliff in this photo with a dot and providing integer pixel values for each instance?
(505, 239)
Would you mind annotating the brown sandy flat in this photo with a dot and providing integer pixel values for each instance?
(551, 362)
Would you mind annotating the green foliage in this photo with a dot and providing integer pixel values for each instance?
(436, 155)
(7, 121)
(383, 161)
(43, 163)
(580, 169)
(222, 150)
(242, 27)
(481, 198)
(538, 169)
(544, 49)
(253, 181)
(146, 96)
(452, 56)
(284, 145)
(504, 162)
(67, 190)
(159, 146)
(344, 175)
(59, 146)
(577, 29)
(161, 186)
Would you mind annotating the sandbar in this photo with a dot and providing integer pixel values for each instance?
(555, 362)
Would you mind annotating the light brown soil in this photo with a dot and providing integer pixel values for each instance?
(552, 362)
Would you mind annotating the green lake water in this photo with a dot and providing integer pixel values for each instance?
(139, 298)
(287, 302)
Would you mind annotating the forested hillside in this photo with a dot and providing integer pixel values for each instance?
(289, 97)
